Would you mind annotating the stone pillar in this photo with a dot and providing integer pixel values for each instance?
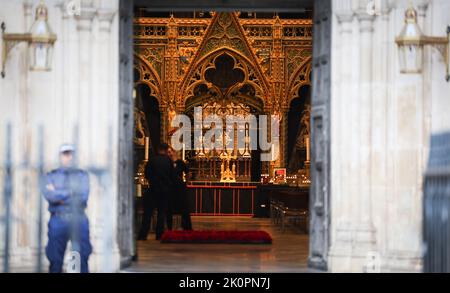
(103, 88)
(85, 115)
(380, 123)
(85, 118)
(408, 106)
(69, 72)
(364, 231)
(29, 18)
(21, 227)
(344, 180)
(427, 87)
(106, 212)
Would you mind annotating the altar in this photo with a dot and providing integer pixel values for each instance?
(211, 86)
(222, 199)
(242, 199)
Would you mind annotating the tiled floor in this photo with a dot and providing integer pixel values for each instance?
(288, 253)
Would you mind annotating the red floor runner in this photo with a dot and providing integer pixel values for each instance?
(229, 237)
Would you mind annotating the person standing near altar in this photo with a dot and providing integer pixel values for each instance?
(179, 203)
(161, 176)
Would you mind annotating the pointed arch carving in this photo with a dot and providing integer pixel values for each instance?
(197, 75)
(148, 76)
(225, 35)
(301, 77)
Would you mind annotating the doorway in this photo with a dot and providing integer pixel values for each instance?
(320, 111)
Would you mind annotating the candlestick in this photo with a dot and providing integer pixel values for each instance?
(307, 149)
(272, 150)
(138, 190)
(147, 146)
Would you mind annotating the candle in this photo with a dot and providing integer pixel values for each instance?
(183, 156)
(138, 190)
(147, 146)
(307, 148)
(272, 150)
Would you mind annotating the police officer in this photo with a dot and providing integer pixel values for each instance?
(67, 192)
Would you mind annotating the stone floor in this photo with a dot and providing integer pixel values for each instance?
(288, 253)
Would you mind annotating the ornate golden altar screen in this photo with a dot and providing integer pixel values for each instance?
(224, 159)
(226, 63)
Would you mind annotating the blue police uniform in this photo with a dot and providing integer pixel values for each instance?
(68, 221)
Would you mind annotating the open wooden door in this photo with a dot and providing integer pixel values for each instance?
(126, 239)
(320, 133)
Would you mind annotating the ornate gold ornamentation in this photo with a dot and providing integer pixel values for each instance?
(258, 44)
(301, 77)
(154, 57)
(228, 167)
(149, 76)
(173, 56)
(224, 35)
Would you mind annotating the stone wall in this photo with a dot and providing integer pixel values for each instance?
(381, 125)
(80, 91)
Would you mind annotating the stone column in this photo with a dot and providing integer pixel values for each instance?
(426, 86)
(29, 17)
(103, 89)
(170, 82)
(69, 72)
(85, 118)
(410, 101)
(85, 115)
(364, 231)
(344, 180)
(382, 79)
(107, 217)
(21, 227)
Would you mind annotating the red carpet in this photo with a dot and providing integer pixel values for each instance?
(227, 237)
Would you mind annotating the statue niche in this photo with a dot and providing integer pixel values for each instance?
(299, 141)
(299, 153)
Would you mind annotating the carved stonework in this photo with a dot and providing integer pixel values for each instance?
(154, 57)
(295, 58)
(148, 75)
(271, 52)
(175, 58)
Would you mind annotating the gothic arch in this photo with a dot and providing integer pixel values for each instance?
(196, 76)
(225, 34)
(148, 76)
(301, 77)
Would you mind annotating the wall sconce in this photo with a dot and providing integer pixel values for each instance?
(411, 42)
(40, 39)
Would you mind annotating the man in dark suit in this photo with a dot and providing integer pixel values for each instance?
(179, 201)
(162, 178)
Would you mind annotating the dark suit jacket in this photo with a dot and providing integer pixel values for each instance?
(161, 175)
